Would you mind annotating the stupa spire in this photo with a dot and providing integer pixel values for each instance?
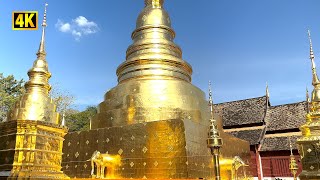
(153, 53)
(42, 50)
(315, 79)
(39, 73)
(310, 130)
(214, 141)
(154, 3)
(211, 101)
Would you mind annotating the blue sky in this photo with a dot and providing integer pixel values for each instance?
(238, 45)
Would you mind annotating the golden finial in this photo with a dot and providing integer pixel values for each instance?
(41, 50)
(63, 122)
(293, 166)
(267, 90)
(290, 145)
(214, 141)
(210, 101)
(40, 65)
(315, 79)
(154, 3)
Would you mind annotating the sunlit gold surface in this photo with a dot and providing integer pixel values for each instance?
(36, 104)
(38, 150)
(309, 144)
(104, 165)
(38, 135)
(159, 149)
(214, 141)
(154, 81)
(154, 89)
(293, 166)
(155, 121)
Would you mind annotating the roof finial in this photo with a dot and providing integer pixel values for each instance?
(267, 90)
(210, 101)
(307, 95)
(63, 123)
(41, 51)
(315, 79)
(154, 3)
(290, 145)
(307, 99)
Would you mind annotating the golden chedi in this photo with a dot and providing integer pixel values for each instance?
(155, 119)
(154, 81)
(34, 122)
(309, 143)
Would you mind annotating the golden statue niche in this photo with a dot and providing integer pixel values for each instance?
(105, 165)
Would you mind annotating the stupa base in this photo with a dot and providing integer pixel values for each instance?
(168, 149)
(28, 175)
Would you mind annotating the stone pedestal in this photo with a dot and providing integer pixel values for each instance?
(33, 149)
(309, 150)
(8, 131)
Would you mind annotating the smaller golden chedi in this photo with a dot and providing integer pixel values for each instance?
(309, 143)
(35, 148)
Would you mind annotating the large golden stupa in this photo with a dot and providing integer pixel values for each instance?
(155, 119)
(154, 80)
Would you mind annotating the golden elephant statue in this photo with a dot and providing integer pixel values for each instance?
(103, 162)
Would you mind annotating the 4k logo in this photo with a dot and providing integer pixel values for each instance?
(25, 20)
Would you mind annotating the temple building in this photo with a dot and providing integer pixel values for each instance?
(267, 128)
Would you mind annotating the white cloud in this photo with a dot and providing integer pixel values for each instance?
(63, 27)
(78, 27)
(83, 22)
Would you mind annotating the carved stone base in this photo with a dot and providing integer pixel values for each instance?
(37, 175)
(305, 175)
(36, 150)
(8, 131)
(166, 149)
(309, 149)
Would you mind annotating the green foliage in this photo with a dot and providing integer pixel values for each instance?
(62, 98)
(10, 91)
(80, 121)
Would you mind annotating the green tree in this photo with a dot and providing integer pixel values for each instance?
(63, 99)
(80, 121)
(10, 91)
